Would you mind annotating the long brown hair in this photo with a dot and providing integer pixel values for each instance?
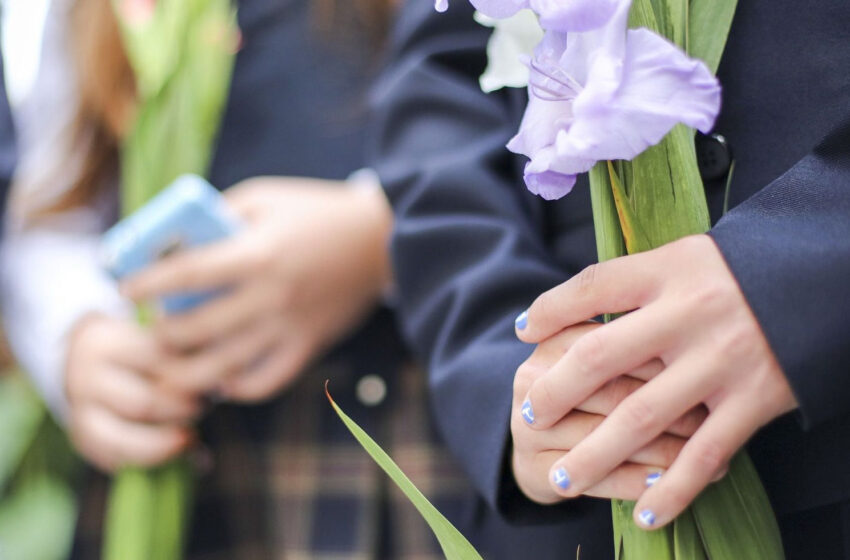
(107, 89)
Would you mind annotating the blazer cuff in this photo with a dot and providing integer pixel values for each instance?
(789, 249)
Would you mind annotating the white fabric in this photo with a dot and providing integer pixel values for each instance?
(50, 276)
(51, 280)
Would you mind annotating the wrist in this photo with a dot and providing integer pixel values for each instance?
(376, 212)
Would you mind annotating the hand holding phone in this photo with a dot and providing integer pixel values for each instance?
(188, 213)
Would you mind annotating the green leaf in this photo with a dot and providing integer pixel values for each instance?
(21, 415)
(454, 544)
(633, 234)
(130, 511)
(182, 59)
(709, 22)
(175, 483)
(734, 516)
(687, 542)
(657, 198)
(606, 222)
(37, 520)
(638, 544)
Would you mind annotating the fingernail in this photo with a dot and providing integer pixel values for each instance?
(652, 478)
(527, 412)
(522, 321)
(561, 478)
(647, 517)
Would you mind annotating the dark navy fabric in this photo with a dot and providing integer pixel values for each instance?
(298, 106)
(8, 151)
(472, 248)
(299, 102)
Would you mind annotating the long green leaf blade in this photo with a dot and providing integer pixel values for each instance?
(687, 542)
(735, 518)
(639, 544)
(454, 544)
(709, 22)
(37, 520)
(21, 414)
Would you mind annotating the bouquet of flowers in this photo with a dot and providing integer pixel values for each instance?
(181, 52)
(616, 88)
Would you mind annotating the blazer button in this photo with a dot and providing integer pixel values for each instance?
(371, 390)
(713, 156)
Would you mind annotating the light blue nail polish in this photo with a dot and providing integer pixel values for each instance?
(522, 321)
(561, 478)
(527, 412)
(647, 518)
(652, 478)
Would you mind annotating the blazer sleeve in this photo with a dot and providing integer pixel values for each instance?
(468, 245)
(789, 248)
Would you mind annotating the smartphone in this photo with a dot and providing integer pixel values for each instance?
(188, 213)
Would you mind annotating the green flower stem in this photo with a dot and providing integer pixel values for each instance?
(182, 58)
(643, 204)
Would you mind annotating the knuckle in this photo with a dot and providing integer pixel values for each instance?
(638, 414)
(586, 279)
(740, 340)
(543, 308)
(713, 297)
(526, 475)
(589, 353)
(545, 397)
(525, 376)
(709, 457)
(143, 408)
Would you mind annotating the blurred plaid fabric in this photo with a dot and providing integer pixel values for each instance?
(290, 482)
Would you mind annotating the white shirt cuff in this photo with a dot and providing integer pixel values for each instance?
(50, 281)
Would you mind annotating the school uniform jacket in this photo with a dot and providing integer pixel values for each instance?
(472, 248)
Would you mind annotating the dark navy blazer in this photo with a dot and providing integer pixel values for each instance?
(472, 248)
(299, 106)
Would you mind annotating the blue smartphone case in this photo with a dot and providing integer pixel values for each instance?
(188, 213)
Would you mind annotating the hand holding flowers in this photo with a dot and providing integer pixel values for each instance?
(688, 314)
(120, 411)
(536, 450)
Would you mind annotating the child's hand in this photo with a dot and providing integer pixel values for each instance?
(307, 268)
(688, 312)
(119, 413)
(536, 450)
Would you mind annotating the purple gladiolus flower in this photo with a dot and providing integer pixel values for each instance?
(573, 15)
(606, 94)
(557, 15)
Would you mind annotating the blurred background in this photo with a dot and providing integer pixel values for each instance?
(37, 468)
